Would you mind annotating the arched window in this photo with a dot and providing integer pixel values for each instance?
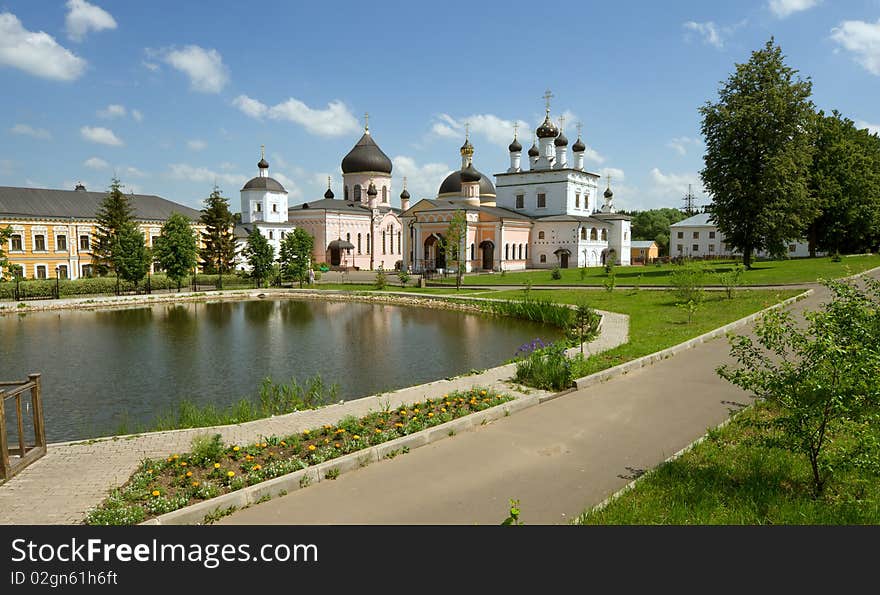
(577, 201)
(583, 233)
(348, 237)
(385, 198)
(540, 235)
(527, 251)
(357, 191)
(271, 235)
(346, 193)
(543, 258)
(506, 251)
(359, 244)
(520, 251)
(383, 242)
(594, 234)
(368, 243)
(473, 251)
(604, 235)
(399, 248)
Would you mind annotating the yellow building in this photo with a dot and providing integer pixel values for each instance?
(53, 231)
(644, 251)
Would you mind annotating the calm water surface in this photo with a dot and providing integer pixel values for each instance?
(101, 368)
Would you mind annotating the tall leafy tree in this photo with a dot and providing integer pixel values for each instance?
(176, 248)
(845, 182)
(758, 154)
(5, 234)
(130, 255)
(260, 255)
(454, 244)
(114, 214)
(218, 251)
(654, 225)
(295, 255)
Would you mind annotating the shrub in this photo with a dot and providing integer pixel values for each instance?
(688, 281)
(556, 273)
(403, 276)
(206, 449)
(544, 367)
(731, 279)
(535, 310)
(381, 281)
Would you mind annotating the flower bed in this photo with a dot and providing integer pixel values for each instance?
(213, 468)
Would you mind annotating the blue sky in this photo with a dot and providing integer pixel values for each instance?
(175, 95)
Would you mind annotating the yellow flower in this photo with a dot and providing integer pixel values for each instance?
(157, 493)
(263, 445)
(306, 432)
(195, 484)
(256, 467)
(175, 456)
(378, 431)
(355, 437)
(443, 409)
(236, 448)
(230, 474)
(328, 427)
(431, 414)
(398, 425)
(415, 410)
(403, 413)
(312, 447)
(149, 470)
(283, 443)
(249, 458)
(483, 393)
(336, 445)
(189, 473)
(326, 441)
(216, 465)
(183, 463)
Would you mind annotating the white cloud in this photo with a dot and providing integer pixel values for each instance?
(784, 8)
(422, 181)
(335, 120)
(151, 66)
(227, 166)
(496, 130)
(26, 130)
(708, 31)
(96, 163)
(862, 39)
(112, 111)
(872, 128)
(134, 172)
(617, 174)
(681, 143)
(36, 53)
(591, 154)
(102, 136)
(183, 171)
(137, 115)
(672, 187)
(196, 144)
(204, 67)
(293, 189)
(83, 17)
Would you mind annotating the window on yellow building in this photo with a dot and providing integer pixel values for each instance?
(61, 243)
(39, 243)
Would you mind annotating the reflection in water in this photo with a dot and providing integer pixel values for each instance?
(139, 362)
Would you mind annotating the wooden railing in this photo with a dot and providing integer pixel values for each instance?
(25, 454)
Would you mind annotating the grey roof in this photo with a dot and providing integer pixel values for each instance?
(261, 183)
(642, 243)
(242, 230)
(452, 185)
(581, 218)
(453, 205)
(366, 156)
(341, 244)
(47, 203)
(612, 216)
(700, 219)
(342, 206)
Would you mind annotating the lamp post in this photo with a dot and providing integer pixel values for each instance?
(57, 272)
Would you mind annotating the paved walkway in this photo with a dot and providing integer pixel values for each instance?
(73, 477)
(558, 458)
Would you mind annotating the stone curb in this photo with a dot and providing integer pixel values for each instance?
(647, 360)
(285, 484)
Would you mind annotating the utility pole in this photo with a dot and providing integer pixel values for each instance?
(689, 202)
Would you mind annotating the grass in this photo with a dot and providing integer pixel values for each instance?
(655, 322)
(408, 289)
(737, 477)
(765, 272)
(212, 468)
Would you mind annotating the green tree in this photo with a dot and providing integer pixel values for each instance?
(176, 248)
(218, 252)
(845, 183)
(758, 154)
(295, 255)
(819, 376)
(5, 234)
(129, 254)
(260, 256)
(114, 214)
(454, 244)
(653, 225)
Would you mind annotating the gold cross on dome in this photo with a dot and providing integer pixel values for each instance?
(547, 97)
(467, 130)
(561, 123)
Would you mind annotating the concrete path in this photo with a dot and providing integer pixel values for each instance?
(558, 458)
(73, 477)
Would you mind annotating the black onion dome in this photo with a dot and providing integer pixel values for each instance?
(608, 193)
(469, 174)
(534, 152)
(547, 129)
(263, 164)
(515, 147)
(371, 191)
(404, 194)
(329, 194)
(579, 146)
(264, 183)
(561, 140)
(452, 185)
(366, 156)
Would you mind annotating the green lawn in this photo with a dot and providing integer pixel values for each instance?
(769, 272)
(655, 322)
(738, 477)
(409, 289)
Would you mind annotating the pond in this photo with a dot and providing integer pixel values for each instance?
(102, 368)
